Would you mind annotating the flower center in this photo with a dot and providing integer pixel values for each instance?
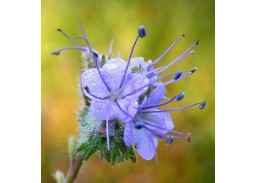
(115, 95)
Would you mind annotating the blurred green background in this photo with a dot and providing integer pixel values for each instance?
(165, 21)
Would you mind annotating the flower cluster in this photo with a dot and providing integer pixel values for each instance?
(125, 98)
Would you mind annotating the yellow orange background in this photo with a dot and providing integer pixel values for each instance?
(165, 21)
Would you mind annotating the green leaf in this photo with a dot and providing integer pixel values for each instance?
(89, 152)
(132, 155)
(108, 156)
(113, 157)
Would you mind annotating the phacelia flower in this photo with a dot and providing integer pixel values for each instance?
(145, 127)
(131, 94)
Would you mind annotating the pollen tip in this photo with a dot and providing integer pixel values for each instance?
(56, 52)
(193, 70)
(197, 42)
(202, 105)
(60, 30)
(170, 139)
(192, 51)
(189, 137)
(178, 74)
(180, 96)
(183, 35)
(142, 31)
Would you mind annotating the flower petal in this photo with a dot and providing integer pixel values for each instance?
(162, 120)
(100, 108)
(156, 96)
(91, 79)
(113, 72)
(137, 81)
(129, 109)
(128, 133)
(146, 144)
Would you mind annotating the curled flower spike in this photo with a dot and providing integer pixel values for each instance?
(131, 95)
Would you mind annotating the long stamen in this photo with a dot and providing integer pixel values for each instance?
(201, 106)
(110, 49)
(57, 52)
(68, 37)
(178, 97)
(172, 131)
(141, 33)
(158, 134)
(125, 72)
(181, 57)
(188, 137)
(100, 98)
(181, 77)
(85, 37)
(168, 50)
(159, 105)
(95, 57)
(154, 71)
(82, 37)
(169, 138)
(149, 84)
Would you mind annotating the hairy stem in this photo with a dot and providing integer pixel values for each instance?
(75, 165)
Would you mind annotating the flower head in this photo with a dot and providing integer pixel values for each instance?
(131, 94)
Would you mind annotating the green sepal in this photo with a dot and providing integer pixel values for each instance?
(88, 148)
(118, 152)
(132, 155)
(93, 139)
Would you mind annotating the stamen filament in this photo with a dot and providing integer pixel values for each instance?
(57, 52)
(68, 37)
(155, 126)
(125, 72)
(149, 84)
(172, 131)
(173, 110)
(110, 49)
(153, 71)
(100, 74)
(181, 57)
(100, 98)
(168, 50)
(181, 77)
(159, 105)
(179, 137)
(85, 37)
(158, 134)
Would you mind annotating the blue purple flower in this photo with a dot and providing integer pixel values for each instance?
(133, 92)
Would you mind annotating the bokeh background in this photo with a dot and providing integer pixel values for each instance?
(165, 21)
